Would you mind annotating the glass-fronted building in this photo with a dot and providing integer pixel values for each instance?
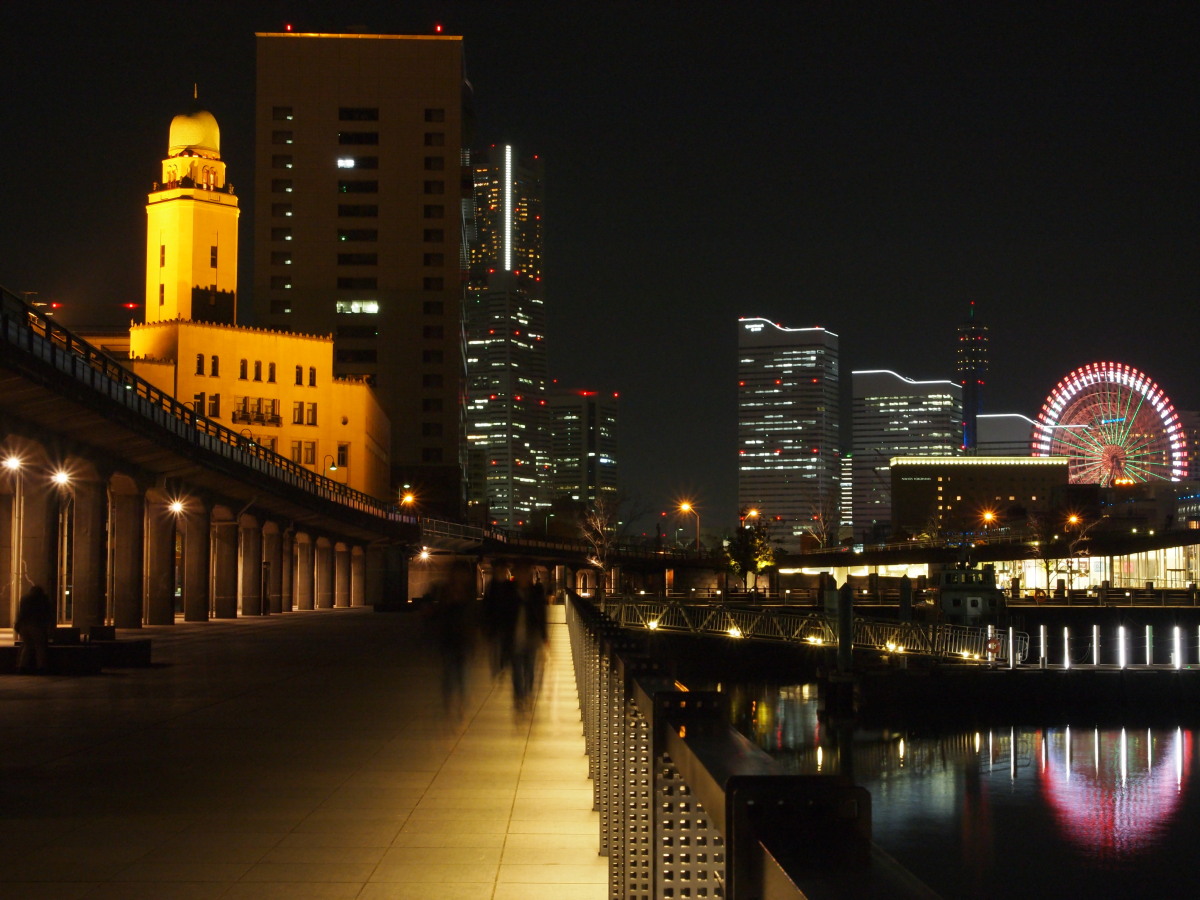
(788, 429)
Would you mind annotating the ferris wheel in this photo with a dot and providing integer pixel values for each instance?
(1115, 424)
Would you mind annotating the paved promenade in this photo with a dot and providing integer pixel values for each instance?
(298, 756)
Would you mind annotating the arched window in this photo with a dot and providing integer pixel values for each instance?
(214, 367)
(258, 370)
(299, 374)
(243, 368)
(199, 363)
(271, 372)
(312, 376)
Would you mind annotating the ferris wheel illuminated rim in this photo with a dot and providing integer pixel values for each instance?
(1115, 424)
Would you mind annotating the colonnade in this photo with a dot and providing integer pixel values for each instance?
(114, 549)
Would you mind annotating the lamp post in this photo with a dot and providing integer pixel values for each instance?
(328, 466)
(12, 465)
(408, 501)
(66, 501)
(687, 507)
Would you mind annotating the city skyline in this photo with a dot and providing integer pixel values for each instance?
(902, 161)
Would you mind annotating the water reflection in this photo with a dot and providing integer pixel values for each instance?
(1114, 792)
(1104, 808)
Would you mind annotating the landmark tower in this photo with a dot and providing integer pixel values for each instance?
(508, 437)
(971, 361)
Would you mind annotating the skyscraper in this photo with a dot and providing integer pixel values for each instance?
(583, 444)
(971, 362)
(788, 430)
(359, 228)
(508, 441)
(896, 416)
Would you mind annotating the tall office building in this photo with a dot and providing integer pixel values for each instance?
(971, 363)
(896, 416)
(509, 465)
(583, 425)
(359, 227)
(788, 430)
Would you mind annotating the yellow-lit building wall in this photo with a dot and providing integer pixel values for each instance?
(277, 389)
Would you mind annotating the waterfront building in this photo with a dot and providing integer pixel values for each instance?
(936, 496)
(971, 363)
(583, 444)
(896, 416)
(788, 429)
(359, 193)
(509, 465)
(277, 388)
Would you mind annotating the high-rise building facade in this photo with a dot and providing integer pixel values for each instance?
(583, 427)
(894, 416)
(971, 363)
(359, 228)
(509, 465)
(788, 428)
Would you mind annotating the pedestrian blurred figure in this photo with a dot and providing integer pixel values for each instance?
(529, 634)
(35, 619)
(499, 616)
(453, 621)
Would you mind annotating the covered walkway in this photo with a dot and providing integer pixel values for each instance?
(306, 755)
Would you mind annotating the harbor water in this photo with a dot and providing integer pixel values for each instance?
(1055, 810)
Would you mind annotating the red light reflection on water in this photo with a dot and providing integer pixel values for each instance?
(1114, 793)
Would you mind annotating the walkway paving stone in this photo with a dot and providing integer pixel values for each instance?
(307, 755)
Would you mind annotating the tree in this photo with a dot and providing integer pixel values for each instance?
(1044, 544)
(603, 525)
(824, 522)
(750, 551)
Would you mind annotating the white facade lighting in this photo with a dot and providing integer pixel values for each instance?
(507, 201)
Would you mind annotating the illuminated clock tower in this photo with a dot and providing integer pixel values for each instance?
(192, 229)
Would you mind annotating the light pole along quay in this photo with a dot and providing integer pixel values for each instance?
(687, 507)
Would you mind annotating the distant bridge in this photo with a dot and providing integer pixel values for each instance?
(962, 643)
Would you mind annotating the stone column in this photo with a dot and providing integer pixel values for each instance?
(323, 566)
(225, 565)
(341, 575)
(89, 552)
(304, 574)
(158, 585)
(250, 566)
(9, 554)
(287, 572)
(38, 534)
(272, 552)
(196, 562)
(125, 548)
(358, 572)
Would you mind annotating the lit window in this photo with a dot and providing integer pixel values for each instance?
(370, 307)
(345, 162)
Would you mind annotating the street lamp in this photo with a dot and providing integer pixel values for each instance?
(687, 507)
(989, 518)
(16, 530)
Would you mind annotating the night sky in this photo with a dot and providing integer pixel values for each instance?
(872, 168)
